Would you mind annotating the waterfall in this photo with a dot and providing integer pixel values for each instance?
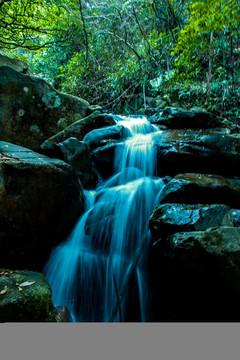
(87, 271)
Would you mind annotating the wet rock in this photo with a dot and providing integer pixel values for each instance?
(206, 274)
(202, 189)
(63, 314)
(178, 118)
(31, 109)
(204, 151)
(79, 129)
(104, 158)
(92, 108)
(168, 219)
(40, 201)
(95, 138)
(78, 155)
(25, 296)
(236, 217)
(219, 246)
(17, 65)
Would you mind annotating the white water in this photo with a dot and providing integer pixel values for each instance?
(101, 248)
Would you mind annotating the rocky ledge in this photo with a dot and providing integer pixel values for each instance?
(40, 201)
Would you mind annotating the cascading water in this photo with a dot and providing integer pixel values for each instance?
(88, 271)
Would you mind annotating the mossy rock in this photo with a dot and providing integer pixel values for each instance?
(192, 188)
(79, 129)
(31, 302)
(40, 201)
(204, 151)
(32, 110)
(168, 219)
(178, 118)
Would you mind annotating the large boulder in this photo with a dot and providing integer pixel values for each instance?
(40, 201)
(97, 137)
(168, 219)
(103, 158)
(202, 189)
(205, 151)
(18, 65)
(79, 129)
(78, 155)
(206, 274)
(31, 110)
(25, 296)
(195, 118)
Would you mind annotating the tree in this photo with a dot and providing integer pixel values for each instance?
(29, 24)
(101, 49)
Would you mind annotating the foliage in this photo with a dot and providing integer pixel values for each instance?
(101, 49)
(28, 23)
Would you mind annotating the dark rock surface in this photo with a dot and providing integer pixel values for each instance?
(103, 158)
(96, 138)
(32, 110)
(40, 201)
(206, 274)
(17, 65)
(63, 314)
(25, 296)
(79, 129)
(202, 189)
(178, 118)
(212, 151)
(77, 154)
(168, 219)
(236, 217)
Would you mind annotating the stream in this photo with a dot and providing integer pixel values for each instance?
(102, 264)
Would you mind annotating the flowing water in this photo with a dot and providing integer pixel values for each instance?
(107, 250)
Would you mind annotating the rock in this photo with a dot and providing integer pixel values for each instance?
(206, 274)
(155, 103)
(211, 151)
(204, 151)
(168, 219)
(29, 302)
(79, 129)
(236, 217)
(63, 314)
(178, 118)
(96, 137)
(77, 154)
(32, 110)
(103, 158)
(217, 247)
(202, 189)
(92, 108)
(17, 65)
(141, 111)
(40, 201)
(150, 112)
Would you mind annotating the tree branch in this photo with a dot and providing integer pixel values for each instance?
(141, 31)
(125, 42)
(85, 31)
(3, 2)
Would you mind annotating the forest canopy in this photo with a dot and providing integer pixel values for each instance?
(101, 49)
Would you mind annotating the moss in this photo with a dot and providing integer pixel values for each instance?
(32, 303)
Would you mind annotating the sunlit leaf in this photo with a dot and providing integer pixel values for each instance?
(27, 283)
